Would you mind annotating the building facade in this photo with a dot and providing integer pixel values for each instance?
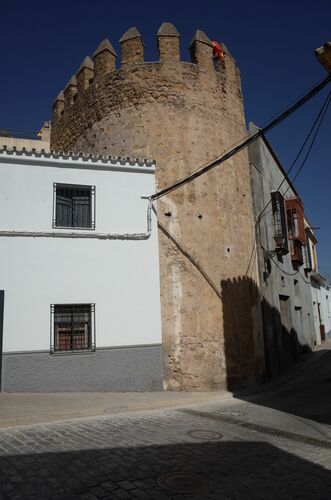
(281, 250)
(79, 271)
(321, 296)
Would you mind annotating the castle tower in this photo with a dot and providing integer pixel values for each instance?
(182, 114)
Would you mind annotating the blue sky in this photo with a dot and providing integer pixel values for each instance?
(43, 43)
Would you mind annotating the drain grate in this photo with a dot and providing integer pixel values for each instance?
(182, 482)
(287, 435)
(263, 429)
(205, 435)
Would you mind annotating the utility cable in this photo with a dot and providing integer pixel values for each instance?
(320, 116)
(209, 166)
(313, 141)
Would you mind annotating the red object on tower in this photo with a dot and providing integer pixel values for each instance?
(217, 50)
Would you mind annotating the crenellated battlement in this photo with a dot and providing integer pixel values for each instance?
(104, 59)
(103, 63)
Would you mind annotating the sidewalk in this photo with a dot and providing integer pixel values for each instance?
(37, 408)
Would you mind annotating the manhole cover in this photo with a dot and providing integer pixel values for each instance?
(181, 482)
(205, 435)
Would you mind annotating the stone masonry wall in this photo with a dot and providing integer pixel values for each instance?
(183, 115)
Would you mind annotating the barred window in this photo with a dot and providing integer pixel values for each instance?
(74, 206)
(72, 327)
(295, 219)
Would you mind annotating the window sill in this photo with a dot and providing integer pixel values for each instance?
(92, 228)
(69, 353)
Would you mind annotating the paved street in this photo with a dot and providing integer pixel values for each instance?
(308, 394)
(231, 449)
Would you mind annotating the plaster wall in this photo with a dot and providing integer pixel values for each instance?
(280, 278)
(326, 308)
(24, 143)
(120, 277)
(321, 295)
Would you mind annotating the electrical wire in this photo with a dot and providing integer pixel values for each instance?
(320, 116)
(313, 141)
(291, 103)
(209, 166)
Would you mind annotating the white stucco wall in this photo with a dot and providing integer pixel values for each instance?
(321, 294)
(120, 276)
(283, 278)
(326, 304)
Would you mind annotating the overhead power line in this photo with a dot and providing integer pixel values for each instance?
(273, 123)
(317, 122)
(313, 140)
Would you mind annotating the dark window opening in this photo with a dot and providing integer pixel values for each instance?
(307, 257)
(295, 220)
(278, 211)
(296, 229)
(73, 327)
(74, 206)
(296, 252)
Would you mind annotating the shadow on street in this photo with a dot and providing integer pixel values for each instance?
(227, 470)
(307, 395)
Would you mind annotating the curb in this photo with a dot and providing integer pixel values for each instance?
(104, 411)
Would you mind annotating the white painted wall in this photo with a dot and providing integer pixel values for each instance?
(326, 305)
(321, 294)
(316, 296)
(120, 276)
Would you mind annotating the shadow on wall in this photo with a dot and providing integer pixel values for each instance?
(224, 470)
(256, 348)
(243, 342)
(246, 359)
(282, 345)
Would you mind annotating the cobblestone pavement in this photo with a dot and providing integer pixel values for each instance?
(260, 453)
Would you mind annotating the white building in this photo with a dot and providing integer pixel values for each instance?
(79, 273)
(320, 291)
(321, 295)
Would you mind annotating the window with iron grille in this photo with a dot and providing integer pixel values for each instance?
(72, 327)
(296, 252)
(74, 206)
(278, 211)
(295, 220)
(307, 257)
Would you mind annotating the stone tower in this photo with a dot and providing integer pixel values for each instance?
(182, 114)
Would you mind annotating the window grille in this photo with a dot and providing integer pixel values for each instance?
(72, 327)
(296, 252)
(74, 206)
(307, 257)
(295, 220)
(278, 210)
